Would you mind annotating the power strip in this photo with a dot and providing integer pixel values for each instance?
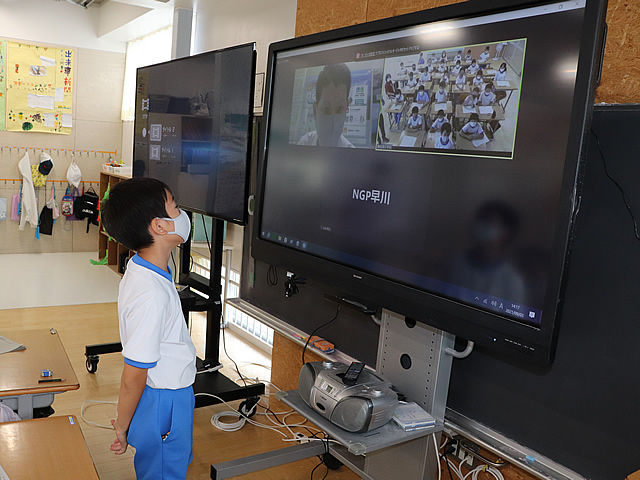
(465, 451)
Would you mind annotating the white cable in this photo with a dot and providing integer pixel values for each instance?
(435, 447)
(110, 427)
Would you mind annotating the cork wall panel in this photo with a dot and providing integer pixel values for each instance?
(286, 362)
(313, 16)
(620, 81)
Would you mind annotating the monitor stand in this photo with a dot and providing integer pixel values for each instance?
(412, 356)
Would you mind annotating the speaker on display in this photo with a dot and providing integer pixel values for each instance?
(356, 407)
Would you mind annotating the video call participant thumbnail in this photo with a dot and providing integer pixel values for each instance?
(330, 108)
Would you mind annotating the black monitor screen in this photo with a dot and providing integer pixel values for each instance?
(192, 129)
(430, 166)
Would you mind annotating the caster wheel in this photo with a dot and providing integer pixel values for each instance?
(92, 363)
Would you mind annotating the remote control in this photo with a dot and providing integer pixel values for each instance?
(353, 372)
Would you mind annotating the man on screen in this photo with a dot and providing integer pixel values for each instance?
(330, 108)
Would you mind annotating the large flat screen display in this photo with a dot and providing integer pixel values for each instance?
(430, 163)
(193, 127)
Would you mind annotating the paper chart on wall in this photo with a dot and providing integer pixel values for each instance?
(39, 88)
(3, 57)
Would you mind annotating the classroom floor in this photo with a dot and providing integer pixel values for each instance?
(66, 292)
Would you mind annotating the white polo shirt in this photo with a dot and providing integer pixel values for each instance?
(153, 331)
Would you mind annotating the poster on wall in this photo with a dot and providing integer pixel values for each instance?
(39, 88)
(3, 56)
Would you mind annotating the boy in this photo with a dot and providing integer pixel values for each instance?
(156, 402)
(472, 129)
(441, 95)
(444, 141)
(472, 100)
(439, 121)
(415, 120)
(330, 108)
(487, 98)
(422, 96)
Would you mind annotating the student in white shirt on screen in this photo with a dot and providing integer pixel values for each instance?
(461, 80)
(330, 108)
(472, 100)
(478, 80)
(412, 82)
(422, 96)
(421, 59)
(445, 78)
(442, 66)
(402, 71)
(415, 120)
(501, 74)
(425, 76)
(472, 130)
(399, 101)
(474, 67)
(487, 98)
(414, 70)
(441, 95)
(458, 57)
(456, 69)
(444, 140)
(440, 120)
(444, 56)
(484, 56)
(432, 60)
(468, 58)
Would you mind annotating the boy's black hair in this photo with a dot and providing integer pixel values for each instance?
(130, 208)
(440, 112)
(489, 86)
(337, 74)
(442, 84)
(420, 87)
(474, 116)
(476, 89)
(414, 110)
(447, 127)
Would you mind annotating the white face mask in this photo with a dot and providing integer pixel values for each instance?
(472, 123)
(329, 128)
(181, 225)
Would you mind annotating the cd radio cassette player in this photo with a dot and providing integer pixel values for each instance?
(356, 406)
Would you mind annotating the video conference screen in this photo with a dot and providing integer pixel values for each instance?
(432, 156)
(192, 125)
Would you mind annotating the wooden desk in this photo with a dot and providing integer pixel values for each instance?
(419, 136)
(499, 113)
(21, 370)
(45, 449)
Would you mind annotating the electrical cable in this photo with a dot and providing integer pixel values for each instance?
(624, 198)
(89, 422)
(318, 328)
(272, 276)
(435, 447)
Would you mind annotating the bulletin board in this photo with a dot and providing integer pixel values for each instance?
(39, 88)
(3, 56)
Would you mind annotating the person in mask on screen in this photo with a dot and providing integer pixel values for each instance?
(330, 108)
(486, 267)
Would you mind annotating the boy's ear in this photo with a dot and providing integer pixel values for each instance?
(158, 226)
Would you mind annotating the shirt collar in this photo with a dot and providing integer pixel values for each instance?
(137, 259)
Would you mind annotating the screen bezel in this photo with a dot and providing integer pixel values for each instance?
(245, 196)
(516, 340)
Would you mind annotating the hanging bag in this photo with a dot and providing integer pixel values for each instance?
(67, 205)
(48, 215)
(87, 206)
(3, 209)
(15, 206)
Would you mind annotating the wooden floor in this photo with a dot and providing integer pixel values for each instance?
(81, 325)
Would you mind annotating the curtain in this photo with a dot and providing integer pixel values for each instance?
(147, 50)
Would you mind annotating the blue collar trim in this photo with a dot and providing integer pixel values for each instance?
(144, 263)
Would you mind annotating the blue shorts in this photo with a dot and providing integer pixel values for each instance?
(159, 413)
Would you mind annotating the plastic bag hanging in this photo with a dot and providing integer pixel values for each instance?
(74, 175)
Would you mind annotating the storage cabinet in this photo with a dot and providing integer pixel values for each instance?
(117, 253)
